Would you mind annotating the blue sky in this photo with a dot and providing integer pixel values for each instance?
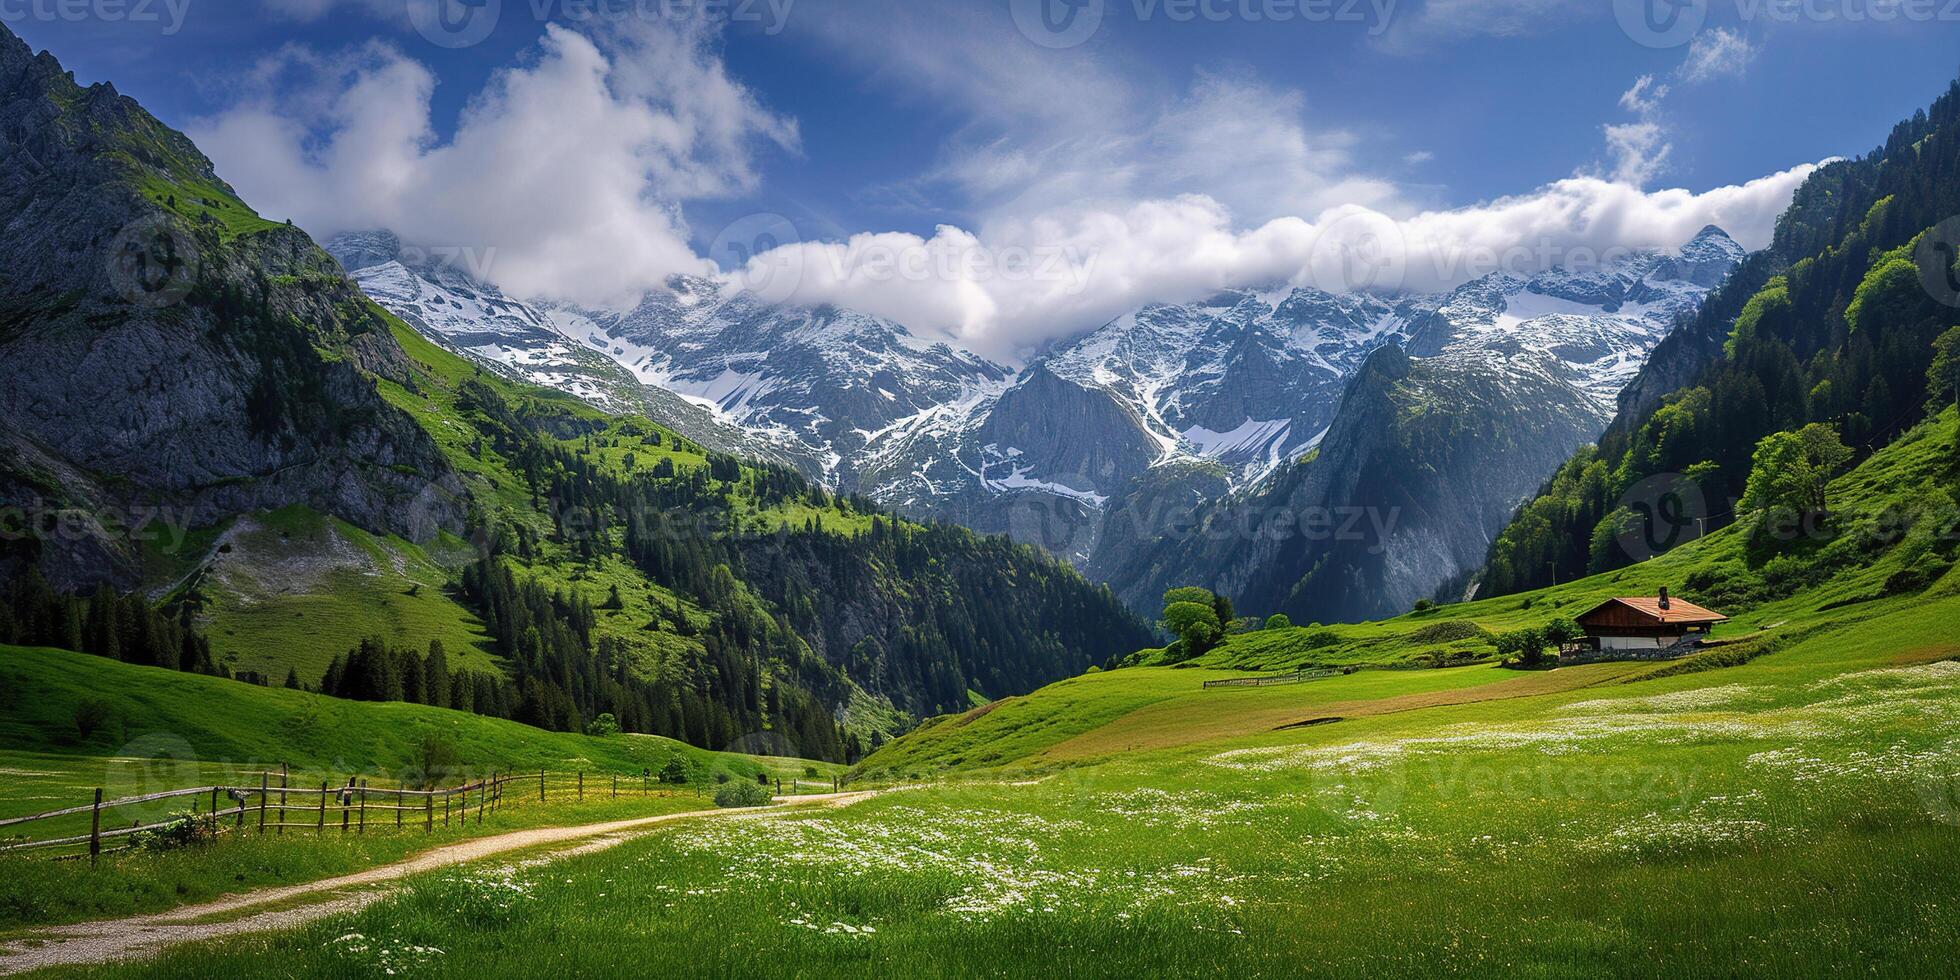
(893, 121)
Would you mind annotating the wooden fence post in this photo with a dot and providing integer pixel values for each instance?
(322, 825)
(398, 808)
(214, 809)
(363, 806)
(541, 786)
(615, 791)
(265, 781)
(581, 786)
(343, 798)
(482, 800)
(95, 829)
(429, 810)
(281, 829)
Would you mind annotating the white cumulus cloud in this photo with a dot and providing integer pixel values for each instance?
(1024, 282)
(565, 172)
(1716, 53)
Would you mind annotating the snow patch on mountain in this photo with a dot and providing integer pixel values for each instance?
(1241, 382)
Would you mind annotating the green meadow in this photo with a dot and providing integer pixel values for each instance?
(1776, 818)
(1785, 803)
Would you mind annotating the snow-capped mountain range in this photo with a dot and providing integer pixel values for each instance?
(825, 384)
(529, 342)
(1233, 386)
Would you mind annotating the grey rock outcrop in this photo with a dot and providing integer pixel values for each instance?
(162, 347)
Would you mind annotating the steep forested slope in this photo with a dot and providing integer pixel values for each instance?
(1835, 323)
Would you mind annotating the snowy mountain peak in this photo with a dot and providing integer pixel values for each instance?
(820, 382)
(1222, 391)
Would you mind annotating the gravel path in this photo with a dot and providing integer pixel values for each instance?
(139, 937)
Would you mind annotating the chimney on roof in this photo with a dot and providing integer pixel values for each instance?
(1664, 600)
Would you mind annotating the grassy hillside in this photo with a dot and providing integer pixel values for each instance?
(167, 730)
(725, 598)
(182, 728)
(1889, 552)
(292, 589)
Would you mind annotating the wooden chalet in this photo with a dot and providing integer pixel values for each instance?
(1646, 624)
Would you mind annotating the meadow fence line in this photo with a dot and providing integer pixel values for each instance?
(275, 806)
(1273, 679)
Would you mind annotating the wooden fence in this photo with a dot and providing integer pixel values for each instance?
(1271, 679)
(275, 806)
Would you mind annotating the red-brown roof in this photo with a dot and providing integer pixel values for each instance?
(1677, 612)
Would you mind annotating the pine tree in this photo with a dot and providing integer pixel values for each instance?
(435, 670)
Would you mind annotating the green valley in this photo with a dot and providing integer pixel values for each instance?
(360, 615)
(1431, 821)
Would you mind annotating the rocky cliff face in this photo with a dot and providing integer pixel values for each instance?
(163, 347)
(1140, 413)
(1423, 465)
(1601, 323)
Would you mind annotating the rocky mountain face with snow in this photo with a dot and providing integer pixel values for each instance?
(436, 293)
(1602, 323)
(1173, 399)
(1427, 457)
(822, 383)
(1433, 445)
(1181, 403)
(1164, 411)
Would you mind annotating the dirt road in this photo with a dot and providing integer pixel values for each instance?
(290, 906)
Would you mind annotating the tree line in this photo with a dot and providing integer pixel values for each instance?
(119, 627)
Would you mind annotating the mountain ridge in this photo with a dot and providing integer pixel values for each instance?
(130, 264)
(1245, 380)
